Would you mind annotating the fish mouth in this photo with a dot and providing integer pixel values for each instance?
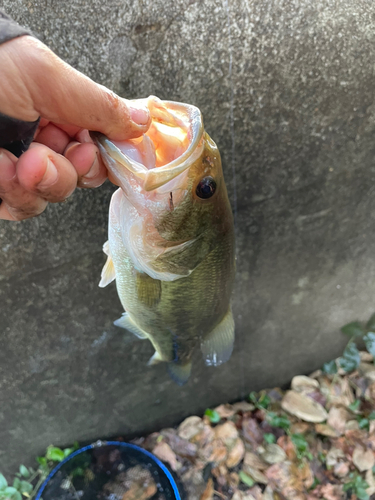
(170, 146)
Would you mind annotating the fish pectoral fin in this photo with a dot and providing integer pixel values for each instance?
(108, 271)
(182, 259)
(217, 346)
(129, 324)
(148, 289)
(179, 372)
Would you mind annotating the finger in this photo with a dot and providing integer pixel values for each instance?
(53, 137)
(17, 202)
(85, 158)
(43, 122)
(46, 174)
(64, 95)
(71, 130)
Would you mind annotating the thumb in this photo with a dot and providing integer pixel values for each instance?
(63, 95)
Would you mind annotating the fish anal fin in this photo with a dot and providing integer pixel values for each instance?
(217, 346)
(155, 359)
(179, 372)
(108, 271)
(127, 322)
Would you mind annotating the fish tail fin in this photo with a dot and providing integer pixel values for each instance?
(217, 346)
(179, 372)
(108, 272)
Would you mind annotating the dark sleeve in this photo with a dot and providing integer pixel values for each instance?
(15, 135)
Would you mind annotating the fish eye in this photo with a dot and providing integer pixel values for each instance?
(206, 188)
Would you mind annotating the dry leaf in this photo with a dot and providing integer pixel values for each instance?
(371, 482)
(139, 483)
(367, 370)
(190, 427)
(300, 428)
(140, 492)
(282, 479)
(236, 454)
(333, 456)
(363, 459)
(337, 418)
(163, 451)
(331, 492)
(326, 430)
(254, 461)
(243, 406)
(180, 446)
(242, 495)
(268, 494)
(256, 492)
(252, 432)
(303, 407)
(233, 480)
(341, 469)
(273, 454)
(225, 411)
(286, 444)
(301, 383)
(205, 436)
(370, 391)
(316, 374)
(213, 451)
(193, 483)
(304, 473)
(227, 433)
(366, 357)
(255, 474)
(338, 393)
(208, 493)
(352, 425)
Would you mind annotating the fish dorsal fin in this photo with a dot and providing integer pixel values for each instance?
(179, 372)
(108, 271)
(129, 324)
(217, 346)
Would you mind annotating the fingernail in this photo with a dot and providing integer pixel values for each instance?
(70, 147)
(140, 116)
(94, 169)
(7, 167)
(50, 175)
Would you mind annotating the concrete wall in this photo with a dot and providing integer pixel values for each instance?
(287, 92)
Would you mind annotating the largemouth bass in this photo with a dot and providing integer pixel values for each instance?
(170, 241)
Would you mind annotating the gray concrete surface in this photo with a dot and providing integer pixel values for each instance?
(287, 92)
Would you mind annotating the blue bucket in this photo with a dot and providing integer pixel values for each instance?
(90, 472)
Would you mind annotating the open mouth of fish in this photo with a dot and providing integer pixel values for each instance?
(169, 147)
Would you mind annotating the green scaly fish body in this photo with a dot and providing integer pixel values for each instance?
(170, 250)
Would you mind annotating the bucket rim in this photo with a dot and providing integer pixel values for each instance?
(100, 444)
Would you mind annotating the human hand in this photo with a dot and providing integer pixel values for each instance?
(35, 82)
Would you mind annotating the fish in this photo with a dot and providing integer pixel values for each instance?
(171, 245)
